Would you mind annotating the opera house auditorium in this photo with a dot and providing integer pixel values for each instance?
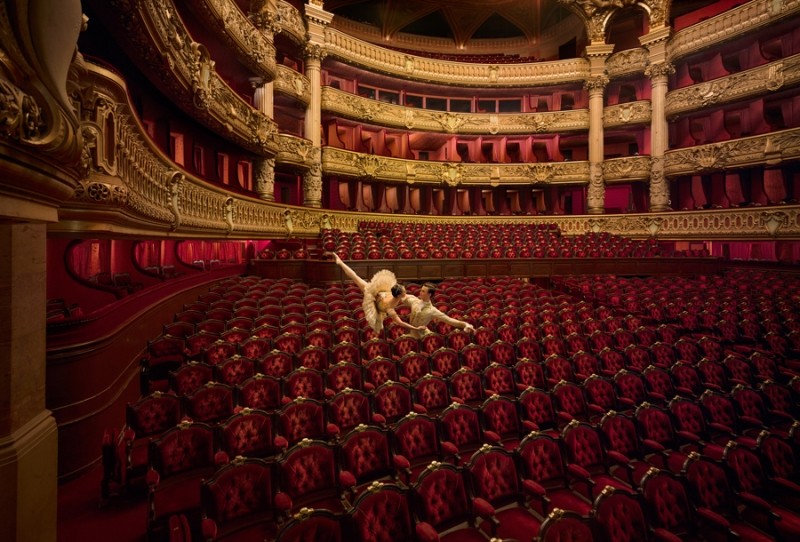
(400, 271)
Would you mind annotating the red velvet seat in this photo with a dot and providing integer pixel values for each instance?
(417, 439)
(255, 348)
(345, 350)
(670, 513)
(432, 393)
(413, 366)
(309, 524)
(241, 501)
(309, 474)
(180, 459)
(381, 514)
(494, 478)
(189, 377)
(235, 370)
(344, 375)
(210, 403)
(501, 421)
(260, 392)
(445, 361)
(366, 455)
(587, 460)
(444, 504)
(378, 371)
(393, 400)
(125, 453)
(249, 432)
(461, 428)
(466, 386)
(303, 418)
(276, 363)
(715, 501)
(476, 357)
(620, 517)
(541, 461)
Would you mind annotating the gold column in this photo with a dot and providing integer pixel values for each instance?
(658, 71)
(317, 19)
(596, 84)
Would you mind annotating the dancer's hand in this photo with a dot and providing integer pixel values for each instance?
(333, 256)
(469, 328)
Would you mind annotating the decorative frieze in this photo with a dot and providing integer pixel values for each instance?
(627, 63)
(772, 149)
(733, 23)
(757, 81)
(294, 84)
(630, 168)
(294, 152)
(291, 22)
(344, 163)
(355, 107)
(183, 67)
(430, 70)
(248, 43)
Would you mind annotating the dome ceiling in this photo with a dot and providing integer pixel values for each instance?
(465, 20)
(459, 20)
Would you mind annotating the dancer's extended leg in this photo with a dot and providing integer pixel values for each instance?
(349, 272)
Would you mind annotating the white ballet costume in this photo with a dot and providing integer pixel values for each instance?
(377, 295)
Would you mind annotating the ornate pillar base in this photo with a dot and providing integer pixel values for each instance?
(28, 481)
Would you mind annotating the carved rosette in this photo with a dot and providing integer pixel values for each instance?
(20, 115)
(107, 192)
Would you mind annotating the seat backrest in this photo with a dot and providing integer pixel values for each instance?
(493, 475)
(349, 408)
(211, 403)
(441, 495)
(244, 488)
(620, 516)
(563, 526)
(309, 471)
(667, 502)
(319, 525)
(187, 447)
(382, 514)
(248, 433)
(366, 453)
(153, 414)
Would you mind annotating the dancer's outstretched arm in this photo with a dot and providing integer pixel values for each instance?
(397, 320)
(349, 272)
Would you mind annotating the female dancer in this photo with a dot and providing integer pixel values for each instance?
(382, 295)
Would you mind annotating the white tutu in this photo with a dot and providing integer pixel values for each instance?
(382, 281)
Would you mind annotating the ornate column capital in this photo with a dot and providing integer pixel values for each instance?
(597, 83)
(315, 52)
(659, 70)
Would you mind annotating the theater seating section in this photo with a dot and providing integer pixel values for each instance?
(377, 240)
(617, 408)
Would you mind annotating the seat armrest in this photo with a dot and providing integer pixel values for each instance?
(426, 532)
